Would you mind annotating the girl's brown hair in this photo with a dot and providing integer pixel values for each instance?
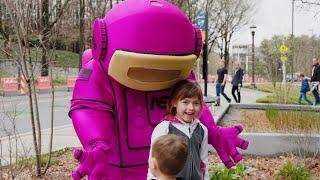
(181, 90)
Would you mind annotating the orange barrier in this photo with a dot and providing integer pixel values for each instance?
(9, 85)
(71, 81)
(23, 85)
(43, 83)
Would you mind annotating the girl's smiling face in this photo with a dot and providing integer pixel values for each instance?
(188, 109)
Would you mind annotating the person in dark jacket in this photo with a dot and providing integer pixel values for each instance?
(221, 80)
(315, 80)
(304, 89)
(237, 82)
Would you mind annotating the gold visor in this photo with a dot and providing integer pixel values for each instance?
(148, 72)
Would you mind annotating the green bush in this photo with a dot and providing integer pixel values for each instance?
(33, 41)
(58, 42)
(290, 171)
(220, 172)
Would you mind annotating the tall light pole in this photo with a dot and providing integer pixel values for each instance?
(253, 27)
(292, 50)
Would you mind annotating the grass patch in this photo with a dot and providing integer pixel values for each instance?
(59, 80)
(294, 120)
(293, 171)
(62, 58)
(55, 158)
(44, 159)
(279, 94)
(66, 59)
(268, 88)
(4, 73)
(275, 121)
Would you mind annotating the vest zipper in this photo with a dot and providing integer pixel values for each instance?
(191, 156)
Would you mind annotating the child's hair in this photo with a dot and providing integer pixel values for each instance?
(301, 74)
(171, 152)
(181, 90)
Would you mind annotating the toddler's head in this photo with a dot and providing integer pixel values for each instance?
(169, 155)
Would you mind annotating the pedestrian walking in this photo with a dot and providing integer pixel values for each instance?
(315, 80)
(304, 89)
(221, 80)
(237, 81)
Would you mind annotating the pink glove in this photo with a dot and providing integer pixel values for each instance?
(226, 141)
(93, 162)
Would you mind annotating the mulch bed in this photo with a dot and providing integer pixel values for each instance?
(267, 167)
(261, 167)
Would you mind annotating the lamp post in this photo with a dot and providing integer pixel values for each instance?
(253, 27)
(292, 51)
(205, 53)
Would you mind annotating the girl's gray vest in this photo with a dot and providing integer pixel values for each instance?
(192, 168)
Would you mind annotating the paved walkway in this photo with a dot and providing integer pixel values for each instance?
(65, 136)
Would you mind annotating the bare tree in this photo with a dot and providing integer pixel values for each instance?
(9, 113)
(311, 2)
(271, 56)
(233, 15)
(5, 29)
(25, 60)
(47, 26)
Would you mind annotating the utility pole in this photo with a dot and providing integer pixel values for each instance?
(292, 41)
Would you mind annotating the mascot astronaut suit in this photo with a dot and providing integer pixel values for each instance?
(139, 50)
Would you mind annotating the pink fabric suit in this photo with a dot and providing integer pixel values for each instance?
(113, 122)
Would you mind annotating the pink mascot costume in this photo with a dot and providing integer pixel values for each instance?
(139, 50)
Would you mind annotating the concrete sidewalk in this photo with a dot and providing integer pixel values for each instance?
(65, 136)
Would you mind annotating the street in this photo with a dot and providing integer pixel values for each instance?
(16, 109)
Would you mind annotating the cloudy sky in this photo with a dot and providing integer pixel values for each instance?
(274, 17)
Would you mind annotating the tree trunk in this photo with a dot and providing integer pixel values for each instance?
(45, 36)
(52, 119)
(81, 31)
(35, 144)
(110, 4)
(226, 52)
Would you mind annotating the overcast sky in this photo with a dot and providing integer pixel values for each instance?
(274, 17)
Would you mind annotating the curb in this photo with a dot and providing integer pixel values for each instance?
(270, 144)
(224, 111)
(276, 106)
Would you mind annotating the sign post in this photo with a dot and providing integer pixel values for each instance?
(202, 22)
(284, 58)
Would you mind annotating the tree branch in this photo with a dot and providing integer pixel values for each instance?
(310, 2)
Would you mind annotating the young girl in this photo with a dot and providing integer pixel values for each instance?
(184, 107)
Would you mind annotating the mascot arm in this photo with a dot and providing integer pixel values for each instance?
(224, 140)
(94, 129)
(93, 120)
